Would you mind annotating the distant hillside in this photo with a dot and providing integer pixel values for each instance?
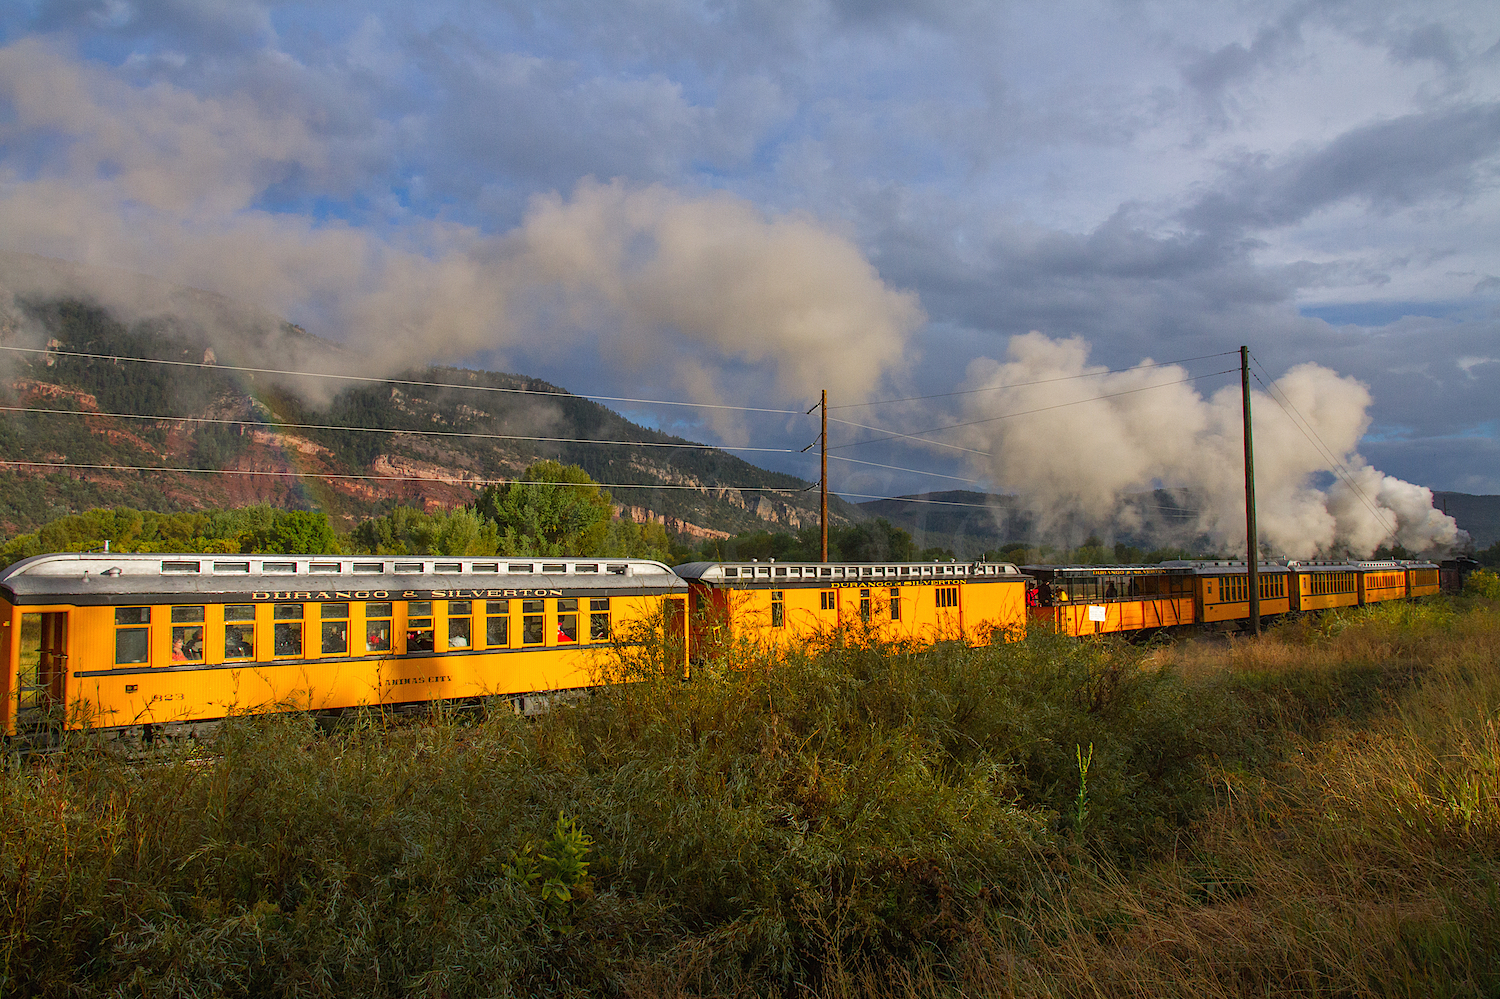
(373, 433)
(1479, 515)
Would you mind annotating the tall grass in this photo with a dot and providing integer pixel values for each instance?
(1318, 810)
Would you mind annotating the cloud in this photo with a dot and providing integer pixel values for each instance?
(1389, 164)
(161, 181)
(1074, 439)
(1211, 73)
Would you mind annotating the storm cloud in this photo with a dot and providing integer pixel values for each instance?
(750, 201)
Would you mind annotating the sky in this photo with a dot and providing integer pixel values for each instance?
(743, 203)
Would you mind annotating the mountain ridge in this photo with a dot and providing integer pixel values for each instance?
(428, 437)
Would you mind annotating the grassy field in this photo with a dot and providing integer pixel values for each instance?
(1316, 812)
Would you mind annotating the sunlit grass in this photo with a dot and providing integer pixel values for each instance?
(1313, 812)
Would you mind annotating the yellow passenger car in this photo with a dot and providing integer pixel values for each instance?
(1221, 588)
(774, 603)
(116, 641)
(1098, 599)
(1320, 585)
(1421, 578)
(1381, 580)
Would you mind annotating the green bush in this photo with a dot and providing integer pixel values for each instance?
(1483, 583)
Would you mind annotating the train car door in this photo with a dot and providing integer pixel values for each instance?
(41, 673)
(708, 620)
(675, 641)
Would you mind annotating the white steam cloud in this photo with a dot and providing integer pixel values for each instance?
(1086, 442)
(160, 181)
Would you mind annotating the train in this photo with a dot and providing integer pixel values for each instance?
(1102, 599)
(153, 643)
(142, 644)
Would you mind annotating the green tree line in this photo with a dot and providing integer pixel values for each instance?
(553, 510)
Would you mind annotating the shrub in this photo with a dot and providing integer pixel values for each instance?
(1483, 583)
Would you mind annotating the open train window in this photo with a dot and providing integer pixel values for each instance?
(187, 634)
(419, 626)
(895, 603)
(567, 620)
(460, 624)
(378, 627)
(778, 608)
(599, 619)
(864, 605)
(826, 601)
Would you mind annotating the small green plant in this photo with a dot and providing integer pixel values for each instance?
(556, 870)
(1081, 805)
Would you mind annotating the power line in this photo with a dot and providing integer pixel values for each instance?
(898, 468)
(1341, 470)
(384, 430)
(1164, 511)
(880, 430)
(426, 433)
(1042, 381)
(448, 433)
(1345, 474)
(448, 480)
(912, 499)
(1044, 409)
(394, 381)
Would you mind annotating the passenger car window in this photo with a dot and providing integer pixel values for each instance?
(497, 623)
(132, 640)
(286, 636)
(239, 631)
(532, 632)
(460, 625)
(378, 627)
(419, 626)
(335, 631)
(187, 634)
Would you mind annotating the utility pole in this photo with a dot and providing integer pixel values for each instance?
(823, 499)
(1252, 546)
(823, 481)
